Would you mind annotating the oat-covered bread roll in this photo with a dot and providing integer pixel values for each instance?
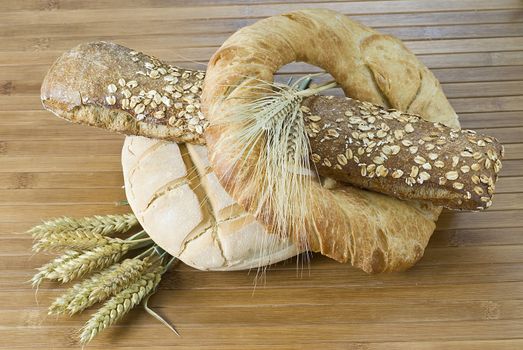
(110, 86)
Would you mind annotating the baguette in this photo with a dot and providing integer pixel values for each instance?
(110, 86)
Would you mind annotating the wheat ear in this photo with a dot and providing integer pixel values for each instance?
(272, 129)
(104, 225)
(48, 269)
(89, 261)
(76, 240)
(100, 286)
(60, 305)
(120, 304)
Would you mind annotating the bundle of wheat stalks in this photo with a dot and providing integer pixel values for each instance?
(90, 249)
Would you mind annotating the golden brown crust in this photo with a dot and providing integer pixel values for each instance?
(374, 232)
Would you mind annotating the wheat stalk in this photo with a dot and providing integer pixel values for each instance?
(49, 269)
(129, 282)
(104, 225)
(61, 304)
(272, 130)
(99, 287)
(120, 304)
(89, 261)
(76, 240)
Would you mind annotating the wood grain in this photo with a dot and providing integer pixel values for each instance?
(466, 293)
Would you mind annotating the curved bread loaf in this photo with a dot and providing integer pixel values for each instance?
(372, 231)
(179, 202)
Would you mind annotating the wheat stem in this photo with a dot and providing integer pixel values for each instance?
(146, 252)
(122, 203)
(158, 317)
(317, 89)
(170, 263)
(139, 240)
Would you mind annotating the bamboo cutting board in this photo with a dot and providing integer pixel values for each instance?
(466, 293)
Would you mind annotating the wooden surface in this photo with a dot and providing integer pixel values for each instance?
(466, 293)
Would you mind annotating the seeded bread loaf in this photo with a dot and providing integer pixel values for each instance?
(110, 86)
(401, 154)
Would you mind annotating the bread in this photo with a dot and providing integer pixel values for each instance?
(401, 154)
(372, 231)
(179, 202)
(109, 86)
(78, 85)
(60, 95)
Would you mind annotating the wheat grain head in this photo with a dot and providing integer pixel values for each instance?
(89, 261)
(120, 304)
(101, 224)
(271, 129)
(108, 283)
(75, 240)
(49, 269)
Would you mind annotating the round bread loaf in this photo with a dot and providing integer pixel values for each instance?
(179, 202)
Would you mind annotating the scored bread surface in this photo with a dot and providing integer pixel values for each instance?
(180, 203)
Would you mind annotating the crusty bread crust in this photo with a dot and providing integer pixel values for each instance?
(374, 232)
(179, 202)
